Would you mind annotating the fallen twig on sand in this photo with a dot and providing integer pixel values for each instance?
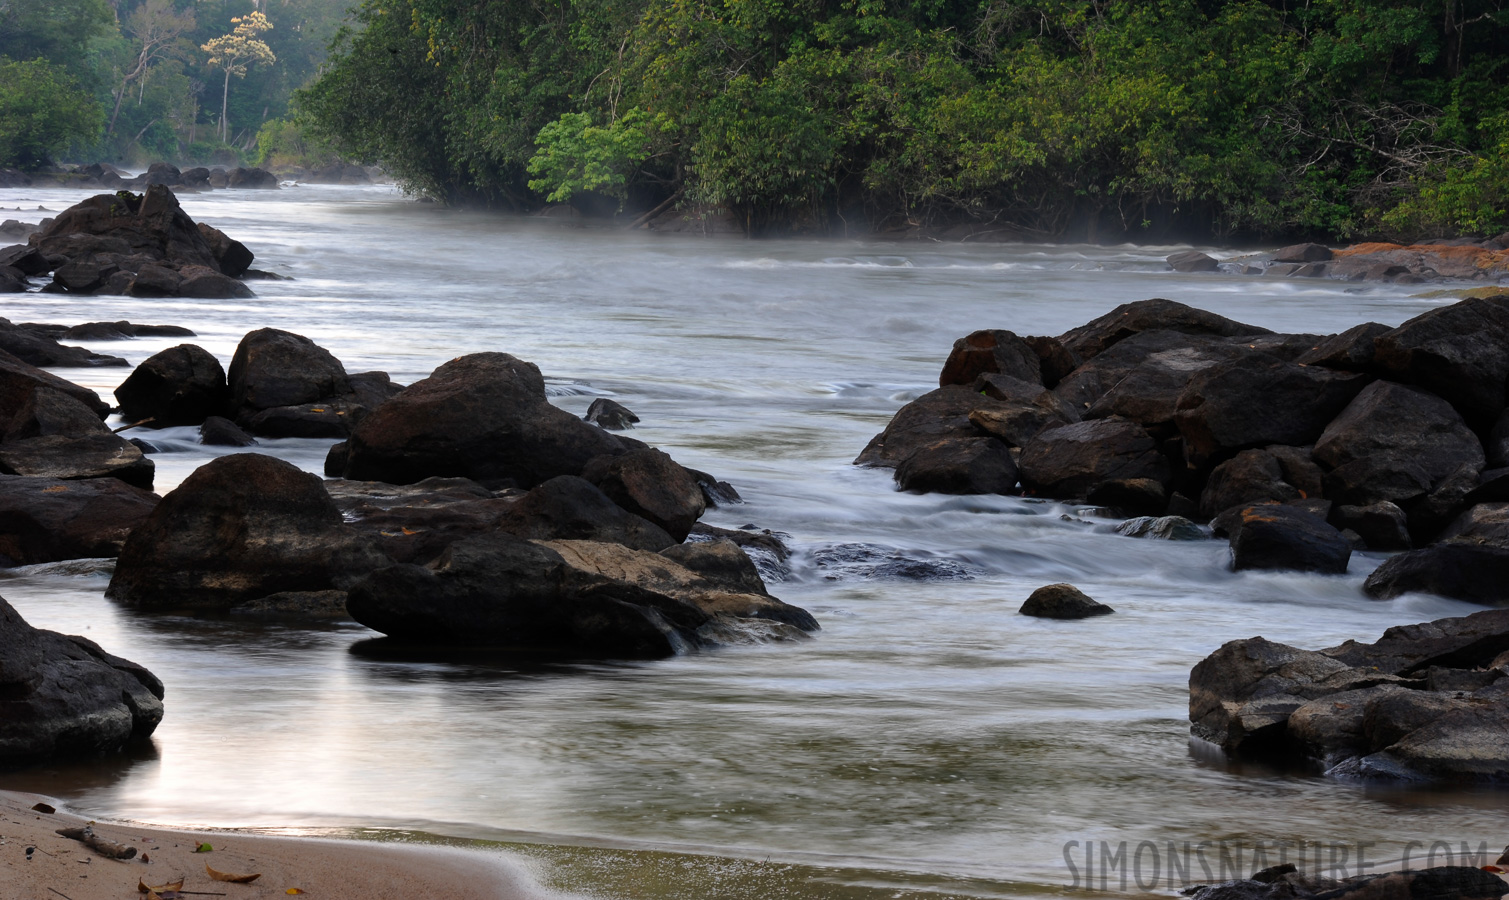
(103, 846)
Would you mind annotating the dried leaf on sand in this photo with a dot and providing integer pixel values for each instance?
(233, 879)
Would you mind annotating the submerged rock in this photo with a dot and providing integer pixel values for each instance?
(610, 414)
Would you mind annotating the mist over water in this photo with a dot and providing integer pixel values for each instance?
(927, 737)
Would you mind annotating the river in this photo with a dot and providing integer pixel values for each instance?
(928, 741)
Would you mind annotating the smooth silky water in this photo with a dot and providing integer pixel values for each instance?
(928, 741)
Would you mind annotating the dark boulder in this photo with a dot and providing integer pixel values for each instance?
(482, 416)
(943, 413)
(206, 283)
(28, 260)
(65, 696)
(1275, 536)
(1397, 443)
(1055, 360)
(273, 368)
(990, 352)
(1382, 525)
(415, 523)
(152, 225)
(568, 597)
(230, 255)
(1026, 409)
(371, 390)
(49, 519)
(155, 281)
(1174, 358)
(1260, 400)
(18, 380)
(325, 419)
(37, 350)
(1162, 528)
(1303, 253)
(251, 179)
(1101, 460)
(1149, 393)
(1351, 351)
(610, 414)
(1460, 642)
(1241, 696)
(651, 485)
(1459, 352)
(218, 431)
(573, 509)
(1252, 476)
(182, 385)
(1093, 338)
(1484, 523)
(240, 527)
(979, 465)
(1497, 448)
(1461, 570)
(1192, 261)
(91, 456)
(51, 413)
(1062, 601)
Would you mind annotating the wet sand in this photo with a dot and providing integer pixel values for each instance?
(322, 868)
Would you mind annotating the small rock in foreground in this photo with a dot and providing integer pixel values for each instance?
(1063, 601)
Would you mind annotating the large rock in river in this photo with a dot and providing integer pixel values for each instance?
(651, 485)
(19, 379)
(1111, 461)
(50, 519)
(64, 696)
(1423, 702)
(483, 417)
(1257, 401)
(1093, 338)
(239, 528)
(182, 385)
(991, 352)
(1460, 352)
(565, 597)
(1274, 536)
(1397, 443)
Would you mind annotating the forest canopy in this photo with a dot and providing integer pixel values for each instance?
(1335, 118)
(131, 81)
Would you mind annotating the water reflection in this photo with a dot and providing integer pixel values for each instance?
(928, 739)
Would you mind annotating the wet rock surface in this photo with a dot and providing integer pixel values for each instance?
(65, 696)
(133, 244)
(1387, 435)
(1423, 703)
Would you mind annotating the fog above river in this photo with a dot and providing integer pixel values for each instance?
(927, 737)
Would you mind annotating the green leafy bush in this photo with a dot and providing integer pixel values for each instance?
(43, 111)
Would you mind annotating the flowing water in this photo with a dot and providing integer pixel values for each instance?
(928, 741)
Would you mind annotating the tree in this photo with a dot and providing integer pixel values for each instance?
(42, 111)
(58, 31)
(155, 27)
(236, 53)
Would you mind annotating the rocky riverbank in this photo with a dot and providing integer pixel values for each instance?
(1427, 702)
(1463, 259)
(1298, 448)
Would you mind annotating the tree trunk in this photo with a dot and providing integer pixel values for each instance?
(119, 96)
(225, 99)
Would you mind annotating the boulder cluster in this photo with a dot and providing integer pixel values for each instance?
(466, 508)
(139, 245)
(1286, 882)
(1427, 702)
(104, 175)
(1460, 259)
(1297, 447)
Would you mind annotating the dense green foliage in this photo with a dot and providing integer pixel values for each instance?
(1329, 117)
(163, 94)
(42, 110)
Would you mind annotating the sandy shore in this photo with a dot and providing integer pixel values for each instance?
(321, 868)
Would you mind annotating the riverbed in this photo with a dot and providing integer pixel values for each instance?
(928, 741)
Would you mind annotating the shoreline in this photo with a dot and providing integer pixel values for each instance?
(317, 866)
